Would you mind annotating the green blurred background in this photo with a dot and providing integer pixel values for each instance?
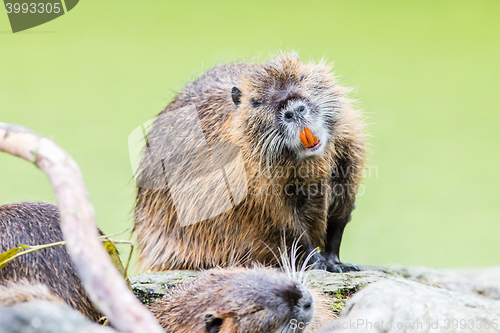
(426, 73)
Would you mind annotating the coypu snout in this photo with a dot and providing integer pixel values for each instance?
(301, 304)
(290, 96)
(293, 114)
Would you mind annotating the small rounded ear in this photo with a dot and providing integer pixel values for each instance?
(213, 324)
(236, 95)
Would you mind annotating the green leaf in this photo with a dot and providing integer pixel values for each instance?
(115, 258)
(8, 256)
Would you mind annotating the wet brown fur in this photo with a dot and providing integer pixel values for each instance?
(38, 224)
(23, 291)
(253, 229)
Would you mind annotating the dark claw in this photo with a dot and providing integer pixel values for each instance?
(322, 265)
(333, 268)
(344, 267)
(326, 266)
(341, 267)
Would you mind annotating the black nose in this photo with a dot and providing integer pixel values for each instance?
(289, 116)
(291, 295)
(292, 115)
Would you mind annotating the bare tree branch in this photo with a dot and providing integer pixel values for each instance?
(105, 286)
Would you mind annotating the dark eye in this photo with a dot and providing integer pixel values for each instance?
(302, 77)
(256, 103)
(236, 95)
(213, 324)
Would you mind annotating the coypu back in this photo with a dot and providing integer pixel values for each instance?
(38, 224)
(23, 291)
(31, 307)
(240, 300)
(291, 190)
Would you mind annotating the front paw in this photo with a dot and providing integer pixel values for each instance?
(326, 266)
(342, 267)
(334, 267)
(338, 267)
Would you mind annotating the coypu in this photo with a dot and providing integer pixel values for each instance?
(240, 300)
(298, 189)
(37, 223)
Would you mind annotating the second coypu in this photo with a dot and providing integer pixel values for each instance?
(37, 223)
(303, 149)
(240, 300)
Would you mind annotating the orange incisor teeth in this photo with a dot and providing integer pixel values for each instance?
(304, 140)
(307, 138)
